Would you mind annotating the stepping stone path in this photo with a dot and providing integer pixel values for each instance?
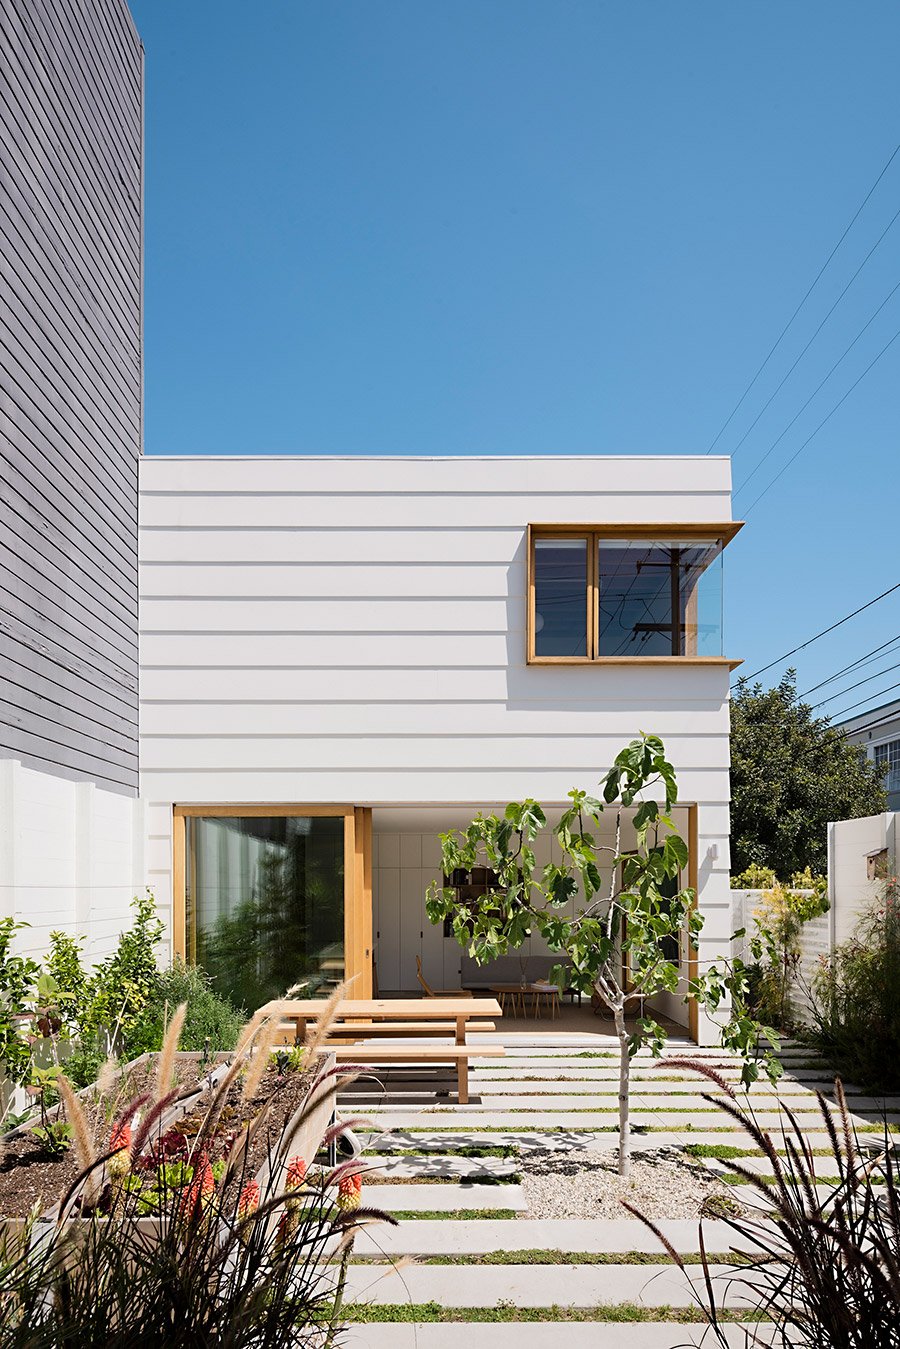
(553, 1092)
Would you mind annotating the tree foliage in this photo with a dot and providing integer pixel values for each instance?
(791, 773)
(622, 936)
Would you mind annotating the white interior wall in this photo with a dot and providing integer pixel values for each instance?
(71, 858)
(405, 861)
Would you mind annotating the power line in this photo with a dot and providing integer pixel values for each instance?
(786, 377)
(826, 418)
(816, 390)
(818, 277)
(872, 725)
(854, 664)
(879, 694)
(823, 633)
(850, 687)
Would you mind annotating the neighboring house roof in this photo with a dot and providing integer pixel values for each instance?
(878, 723)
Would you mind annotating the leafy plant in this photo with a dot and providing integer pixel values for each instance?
(122, 986)
(623, 941)
(63, 964)
(856, 997)
(211, 1020)
(18, 985)
(822, 1261)
(779, 921)
(754, 878)
(56, 1135)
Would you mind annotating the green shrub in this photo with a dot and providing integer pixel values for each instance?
(210, 1021)
(754, 878)
(857, 998)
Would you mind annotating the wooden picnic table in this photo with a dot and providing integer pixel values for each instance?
(461, 1011)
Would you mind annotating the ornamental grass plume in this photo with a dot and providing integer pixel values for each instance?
(262, 1053)
(820, 1246)
(211, 1269)
(165, 1063)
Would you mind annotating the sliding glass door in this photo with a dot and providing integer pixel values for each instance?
(264, 901)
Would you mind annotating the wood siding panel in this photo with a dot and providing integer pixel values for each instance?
(355, 630)
(71, 155)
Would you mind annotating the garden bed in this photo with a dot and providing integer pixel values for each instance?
(33, 1180)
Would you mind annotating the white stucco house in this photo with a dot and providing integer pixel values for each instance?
(343, 657)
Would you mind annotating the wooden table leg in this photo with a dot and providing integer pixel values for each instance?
(462, 1081)
(460, 1030)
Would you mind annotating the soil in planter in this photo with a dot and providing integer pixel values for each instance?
(170, 1163)
(30, 1176)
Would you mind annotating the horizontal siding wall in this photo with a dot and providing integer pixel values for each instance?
(71, 78)
(323, 630)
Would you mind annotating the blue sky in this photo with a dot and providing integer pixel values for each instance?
(513, 227)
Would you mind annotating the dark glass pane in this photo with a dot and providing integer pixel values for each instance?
(265, 903)
(649, 598)
(560, 597)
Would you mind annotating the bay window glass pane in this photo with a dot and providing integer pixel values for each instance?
(265, 903)
(659, 597)
(560, 597)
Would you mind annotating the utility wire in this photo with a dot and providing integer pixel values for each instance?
(845, 710)
(854, 664)
(823, 633)
(873, 725)
(816, 390)
(816, 281)
(850, 687)
(786, 377)
(890, 342)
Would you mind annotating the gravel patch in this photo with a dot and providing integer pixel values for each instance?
(662, 1184)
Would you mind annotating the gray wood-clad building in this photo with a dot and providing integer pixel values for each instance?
(71, 261)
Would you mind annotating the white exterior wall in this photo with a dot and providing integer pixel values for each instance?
(71, 858)
(849, 844)
(353, 630)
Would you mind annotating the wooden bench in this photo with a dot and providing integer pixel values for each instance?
(374, 1030)
(413, 1054)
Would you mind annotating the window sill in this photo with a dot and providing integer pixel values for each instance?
(635, 660)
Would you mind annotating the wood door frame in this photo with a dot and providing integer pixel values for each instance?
(357, 874)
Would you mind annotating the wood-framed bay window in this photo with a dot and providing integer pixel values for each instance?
(624, 593)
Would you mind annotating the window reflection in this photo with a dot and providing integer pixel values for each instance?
(650, 600)
(560, 597)
(265, 903)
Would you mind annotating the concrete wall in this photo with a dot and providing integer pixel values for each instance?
(71, 857)
(71, 186)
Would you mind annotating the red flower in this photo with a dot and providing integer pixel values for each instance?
(296, 1173)
(120, 1138)
(350, 1193)
(201, 1188)
(248, 1200)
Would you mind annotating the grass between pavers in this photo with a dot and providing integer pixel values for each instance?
(541, 1257)
(453, 1214)
(364, 1313)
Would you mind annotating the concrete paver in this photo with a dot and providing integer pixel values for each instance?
(587, 1335)
(547, 1285)
(443, 1198)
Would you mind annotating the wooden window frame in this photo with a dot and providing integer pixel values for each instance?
(592, 534)
(357, 875)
